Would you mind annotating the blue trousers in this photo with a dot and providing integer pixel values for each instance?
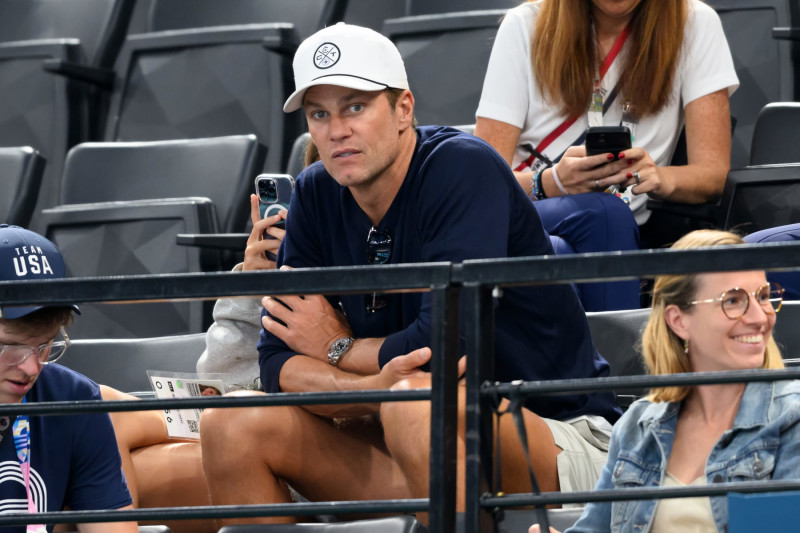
(594, 222)
(788, 280)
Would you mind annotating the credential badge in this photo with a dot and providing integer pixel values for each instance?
(326, 55)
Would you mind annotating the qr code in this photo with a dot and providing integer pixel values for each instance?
(193, 426)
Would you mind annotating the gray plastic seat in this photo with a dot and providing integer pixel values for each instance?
(51, 112)
(123, 363)
(21, 172)
(220, 168)
(520, 521)
(210, 68)
(427, 7)
(775, 135)
(447, 89)
(760, 197)
(134, 238)
(396, 524)
(210, 82)
(307, 16)
(371, 14)
(763, 64)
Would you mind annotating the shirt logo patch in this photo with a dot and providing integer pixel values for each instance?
(326, 56)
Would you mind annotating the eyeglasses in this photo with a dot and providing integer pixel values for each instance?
(13, 354)
(735, 302)
(379, 251)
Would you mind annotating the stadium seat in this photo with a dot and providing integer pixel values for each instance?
(616, 335)
(427, 7)
(775, 135)
(21, 172)
(191, 76)
(297, 156)
(763, 64)
(130, 238)
(396, 524)
(49, 112)
(219, 168)
(123, 363)
(754, 198)
(447, 88)
(99, 25)
(227, 80)
(760, 197)
(153, 529)
(371, 14)
(560, 519)
(307, 16)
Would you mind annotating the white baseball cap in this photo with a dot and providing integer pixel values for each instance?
(347, 56)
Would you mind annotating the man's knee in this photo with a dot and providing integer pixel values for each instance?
(407, 424)
(246, 429)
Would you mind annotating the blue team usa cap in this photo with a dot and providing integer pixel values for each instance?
(27, 255)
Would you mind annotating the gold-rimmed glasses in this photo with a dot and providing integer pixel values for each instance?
(736, 301)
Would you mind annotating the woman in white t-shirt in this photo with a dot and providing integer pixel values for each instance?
(560, 66)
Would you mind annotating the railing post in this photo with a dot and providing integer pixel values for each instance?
(444, 408)
(479, 325)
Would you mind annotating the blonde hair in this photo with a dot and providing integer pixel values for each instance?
(565, 59)
(662, 349)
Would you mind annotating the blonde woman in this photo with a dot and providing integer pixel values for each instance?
(680, 436)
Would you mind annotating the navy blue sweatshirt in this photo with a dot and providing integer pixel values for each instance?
(459, 200)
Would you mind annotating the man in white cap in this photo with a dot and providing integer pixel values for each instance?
(386, 192)
(48, 462)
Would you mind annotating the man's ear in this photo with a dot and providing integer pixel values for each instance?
(405, 108)
(676, 321)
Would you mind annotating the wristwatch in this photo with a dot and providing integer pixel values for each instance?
(338, 349)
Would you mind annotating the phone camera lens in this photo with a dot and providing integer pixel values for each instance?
(272, 192)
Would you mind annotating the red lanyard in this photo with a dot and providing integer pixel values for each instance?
(564, 126)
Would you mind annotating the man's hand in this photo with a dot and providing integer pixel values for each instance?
(408, 366)
(255, 254)
(311, 323)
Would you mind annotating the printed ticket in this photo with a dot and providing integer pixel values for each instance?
(184, 423)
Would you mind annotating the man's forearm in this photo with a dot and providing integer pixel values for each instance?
(362, 357)
(306, 374)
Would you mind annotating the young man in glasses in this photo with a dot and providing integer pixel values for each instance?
(49, 462)
(388, 192)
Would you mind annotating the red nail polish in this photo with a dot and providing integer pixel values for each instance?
(610, 156)
(630, 162)
(621, 155)
(629, 175)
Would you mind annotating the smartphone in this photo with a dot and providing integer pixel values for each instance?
(607, 139)
(274, 192)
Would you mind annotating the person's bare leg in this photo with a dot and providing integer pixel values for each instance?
(159, 473)
(407, 432)
(134, 430)
(171, 475)
(249, 453)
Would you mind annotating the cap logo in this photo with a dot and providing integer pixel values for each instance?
(33, 259)
(326, 56)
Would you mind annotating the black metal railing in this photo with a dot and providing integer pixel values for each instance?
(477, 283)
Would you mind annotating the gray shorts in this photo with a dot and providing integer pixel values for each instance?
(584, 446)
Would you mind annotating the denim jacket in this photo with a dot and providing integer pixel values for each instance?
(763, 444)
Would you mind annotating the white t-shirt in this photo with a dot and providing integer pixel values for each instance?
(511, 94)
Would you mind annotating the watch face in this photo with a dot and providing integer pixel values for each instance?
(340, 345)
